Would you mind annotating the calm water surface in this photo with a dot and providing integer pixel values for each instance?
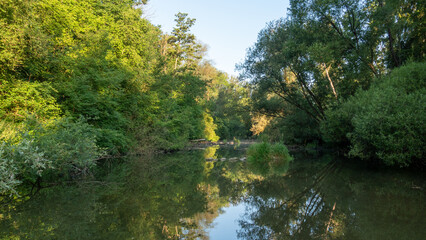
(183, 196)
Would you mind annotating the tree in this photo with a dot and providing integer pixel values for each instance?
(278, 65)
(183, 47)
(324, 51)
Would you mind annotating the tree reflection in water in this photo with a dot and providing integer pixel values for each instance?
(335, 201)
(296, 208)
(179, 196)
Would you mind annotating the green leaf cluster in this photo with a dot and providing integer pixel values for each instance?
(61, 149)
(266, 158)
(228, 103)
(386, 122)
(19, 99)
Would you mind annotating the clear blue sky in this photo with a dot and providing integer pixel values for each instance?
(228, 27)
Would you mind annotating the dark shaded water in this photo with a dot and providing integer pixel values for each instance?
(183, 196)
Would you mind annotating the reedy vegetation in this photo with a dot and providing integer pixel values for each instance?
(269, 159)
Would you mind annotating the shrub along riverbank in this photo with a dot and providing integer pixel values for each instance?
(385, 123)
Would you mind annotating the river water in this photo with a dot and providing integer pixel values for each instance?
(184, 196)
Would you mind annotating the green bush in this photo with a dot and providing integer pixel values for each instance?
(266, 158)
(386, 122)
(71, 145)
(338, 123)
(20, 162)
(61, 149)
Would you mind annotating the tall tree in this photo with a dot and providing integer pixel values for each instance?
(184, 50)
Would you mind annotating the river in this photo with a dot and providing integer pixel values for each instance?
(213, 194)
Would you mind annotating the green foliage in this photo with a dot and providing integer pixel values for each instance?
(184, 51)
(175, 114)
(20, 98)
(210, 127)
(173, 133)
(229, 107)
(20, 162)
(338, 124)
(304, 68)
(296, 128)
(385, 122)
(71, 145)
(95, 90)
(88, 58)
(266, 158)
(12, 36)
(62, 148)
(101, 60)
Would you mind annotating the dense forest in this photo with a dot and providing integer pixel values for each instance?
(82, 81)
(88, 80)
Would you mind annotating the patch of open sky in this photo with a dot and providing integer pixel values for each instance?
(229, 28)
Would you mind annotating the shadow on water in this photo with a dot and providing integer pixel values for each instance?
(180, 196)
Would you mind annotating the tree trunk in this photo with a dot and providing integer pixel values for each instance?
(329, 79)
(329, 221)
